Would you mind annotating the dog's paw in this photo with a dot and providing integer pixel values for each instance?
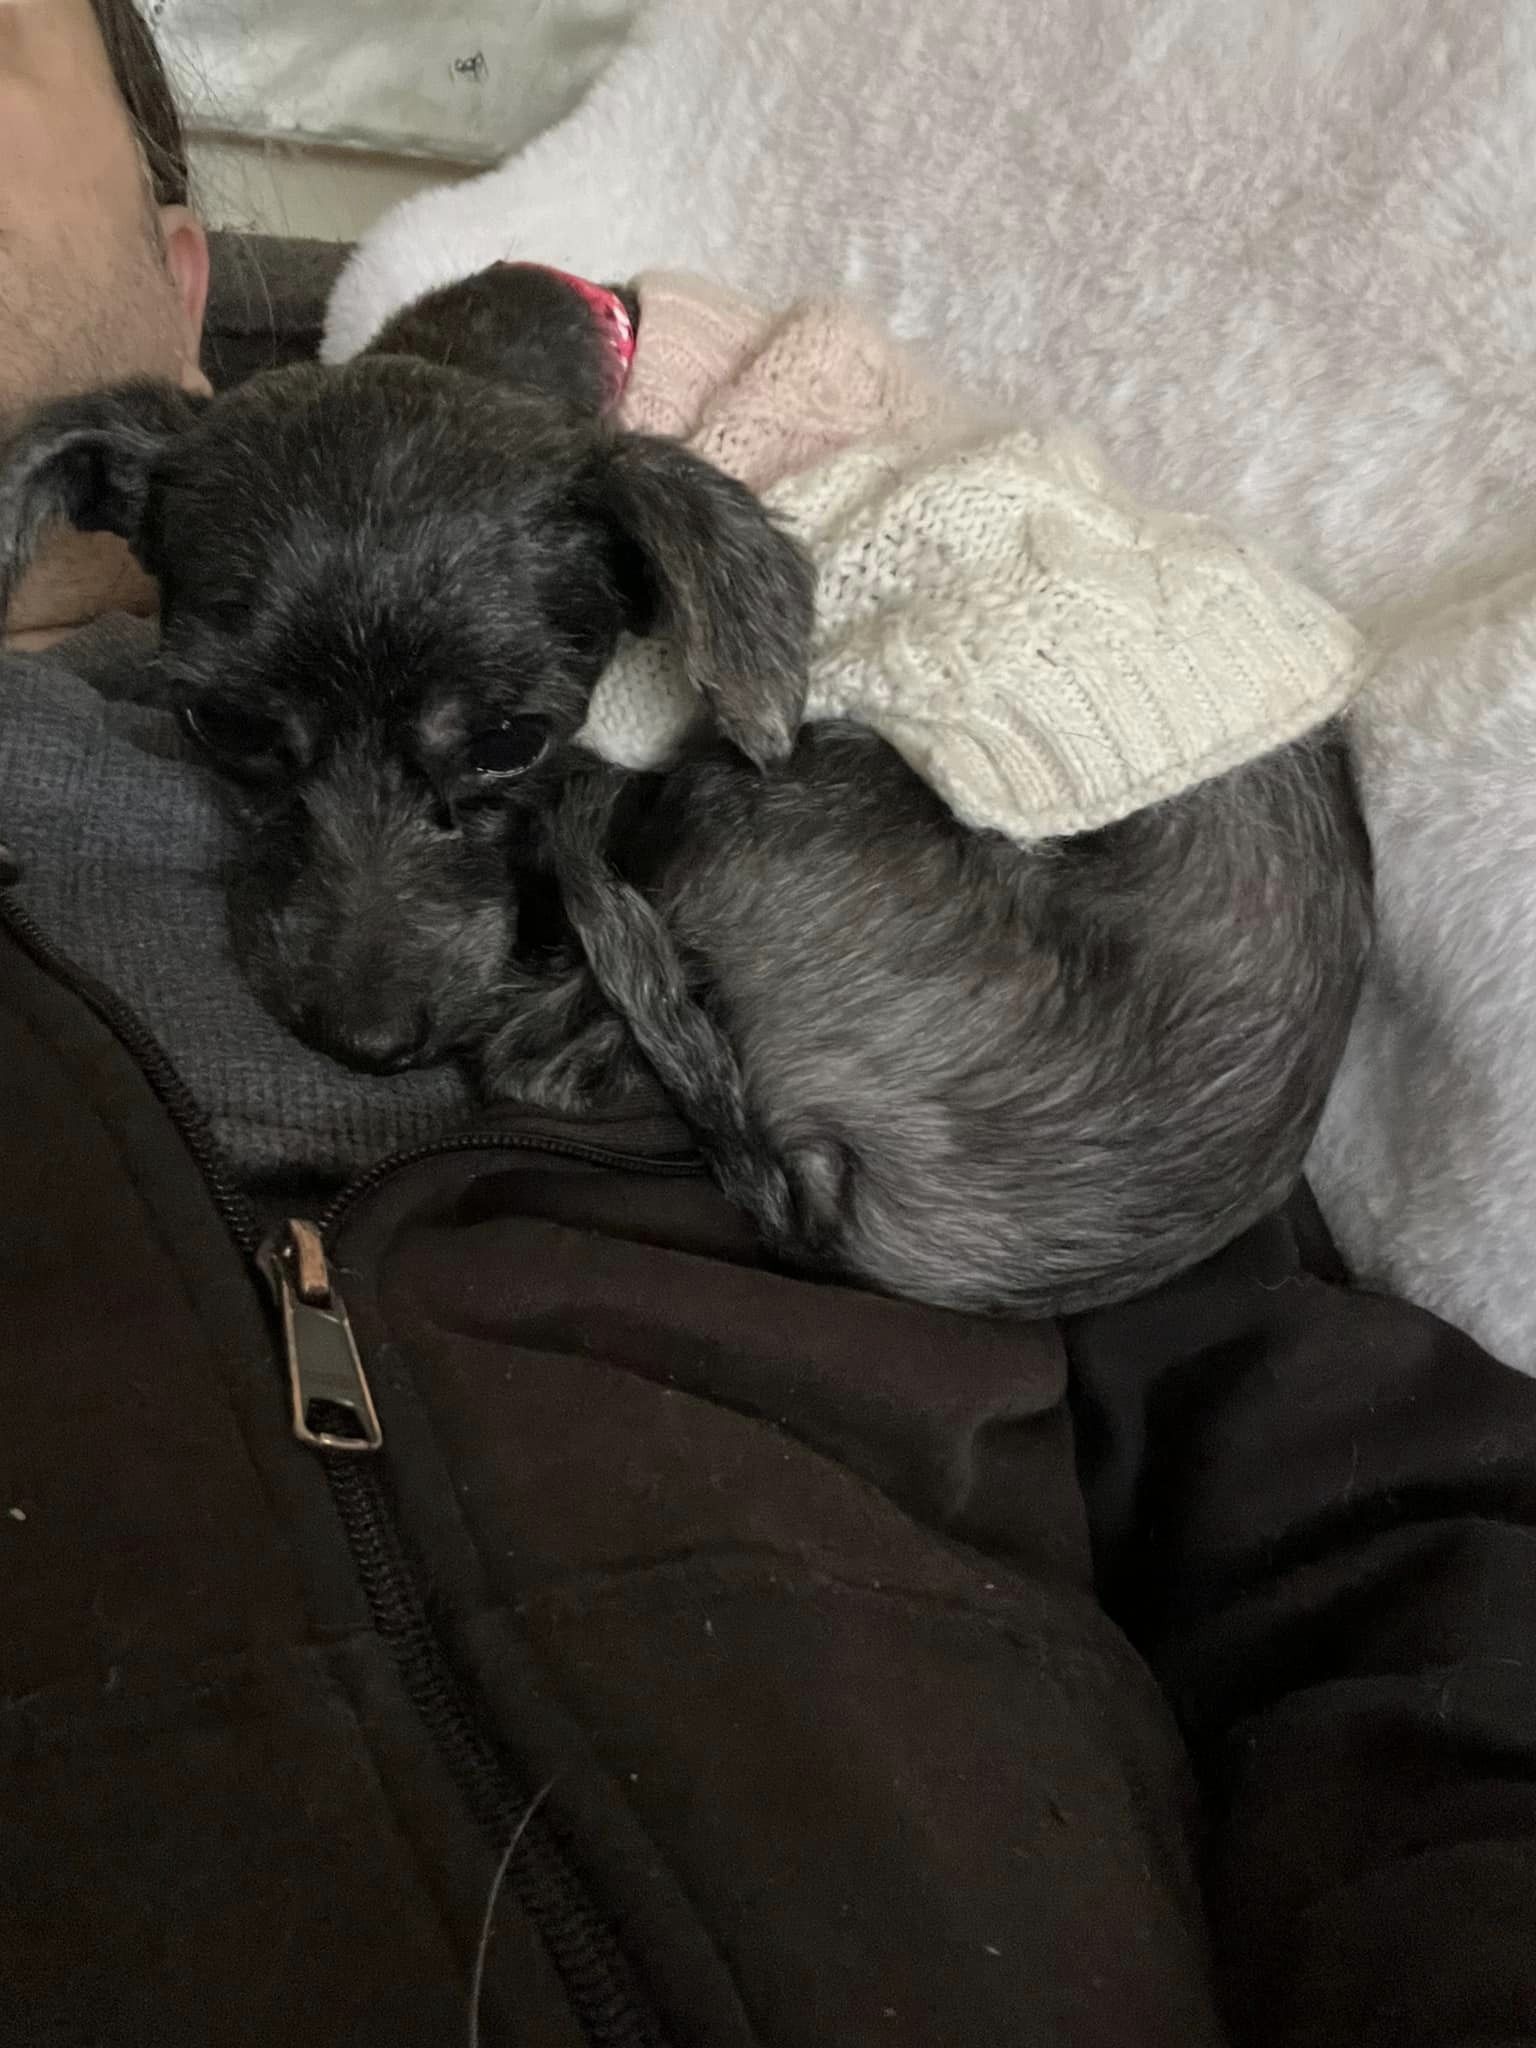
(587, 1070)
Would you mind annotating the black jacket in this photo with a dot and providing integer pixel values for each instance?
(768, 1617)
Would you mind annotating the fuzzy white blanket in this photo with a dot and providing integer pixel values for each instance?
(1281, 262)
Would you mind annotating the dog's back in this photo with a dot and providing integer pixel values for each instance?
(998, 1079)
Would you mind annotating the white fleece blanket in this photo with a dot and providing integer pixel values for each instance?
(1281, 262)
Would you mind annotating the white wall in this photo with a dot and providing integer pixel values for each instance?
(282, 189)
(312, 117)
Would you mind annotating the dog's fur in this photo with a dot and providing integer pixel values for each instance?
(984, 1076)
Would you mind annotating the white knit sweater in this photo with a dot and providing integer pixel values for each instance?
(1047, 654)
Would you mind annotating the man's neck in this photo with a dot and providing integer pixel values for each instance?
(76, 578)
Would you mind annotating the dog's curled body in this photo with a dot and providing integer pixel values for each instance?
(1024, 1080)
(1006, 1078)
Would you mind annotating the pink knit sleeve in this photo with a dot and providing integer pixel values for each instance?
(765, 397)
(823, 380)
(694, 338)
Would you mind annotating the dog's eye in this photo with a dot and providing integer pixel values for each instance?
(510, 748)
(234, 736)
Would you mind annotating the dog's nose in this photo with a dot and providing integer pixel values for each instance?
(389, 1047)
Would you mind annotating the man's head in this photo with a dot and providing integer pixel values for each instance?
(103, 270)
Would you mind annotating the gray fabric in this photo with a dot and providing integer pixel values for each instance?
(120, 844)
(266, 302)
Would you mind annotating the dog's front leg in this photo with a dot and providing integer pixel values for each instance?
(560, 1046)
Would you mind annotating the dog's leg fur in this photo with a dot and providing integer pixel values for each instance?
(561, 1046)
(637, 966)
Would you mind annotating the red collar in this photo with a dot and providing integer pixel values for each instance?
(611, 315)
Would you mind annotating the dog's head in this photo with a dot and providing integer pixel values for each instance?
(387, 592)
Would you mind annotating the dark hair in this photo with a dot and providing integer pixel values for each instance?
(146, 91)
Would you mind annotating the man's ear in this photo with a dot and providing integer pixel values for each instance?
(86, 461)
(703, 562)
(520, 325)
(186, 260)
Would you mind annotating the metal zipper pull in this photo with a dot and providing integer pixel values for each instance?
(332, 1403)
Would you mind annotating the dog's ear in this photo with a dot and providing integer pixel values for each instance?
(700, 559)
(521, 325)
(87, 461)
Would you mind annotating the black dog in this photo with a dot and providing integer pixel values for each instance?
(997, 1078)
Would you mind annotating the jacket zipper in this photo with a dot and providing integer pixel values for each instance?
(332, 1401)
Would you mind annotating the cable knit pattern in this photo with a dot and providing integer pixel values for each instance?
(1047, 653)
